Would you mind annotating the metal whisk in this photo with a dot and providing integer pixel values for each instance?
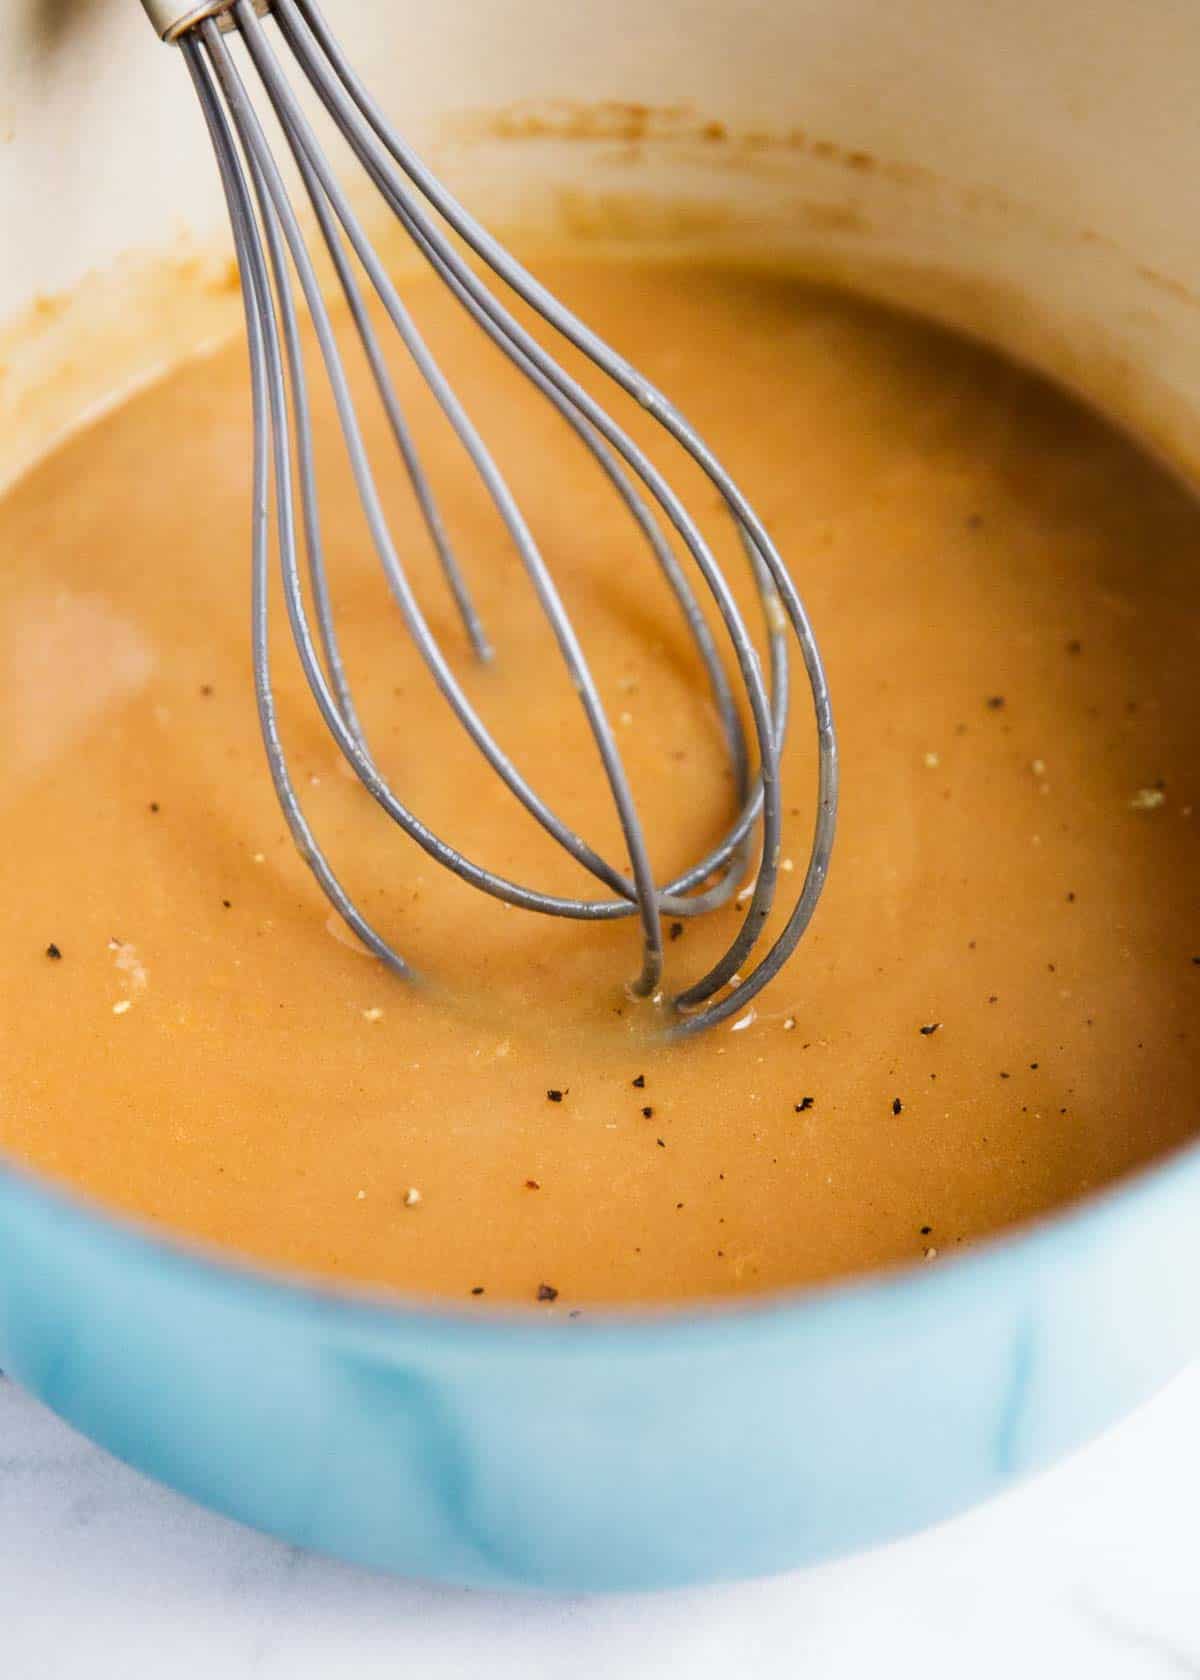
(272, 255)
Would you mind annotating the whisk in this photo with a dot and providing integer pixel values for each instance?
(273, 258)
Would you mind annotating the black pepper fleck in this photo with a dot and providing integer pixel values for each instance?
(478, 1289)
(532, 1184)
(660, 1143)
(639, 1082)
(154, 806)
(556, 1096)
(897, 1106)
(931, 1028)
(805, 1103)
(226, 904)
(995, 702)
(53, 952)
(1034, 1066)
(647, 1114)
(547, 1292)
(206, 689)
(675, 929)
(926, 1230)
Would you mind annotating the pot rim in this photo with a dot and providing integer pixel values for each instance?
(654, 1328)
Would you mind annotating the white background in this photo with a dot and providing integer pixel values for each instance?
(1092, 1571)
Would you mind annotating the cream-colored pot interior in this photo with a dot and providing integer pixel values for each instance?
(1020, 169)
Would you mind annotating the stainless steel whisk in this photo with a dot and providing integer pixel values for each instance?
(272, 254)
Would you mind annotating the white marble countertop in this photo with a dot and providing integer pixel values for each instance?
(1092, 1570)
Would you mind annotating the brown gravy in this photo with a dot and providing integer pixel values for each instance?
(1006, 594)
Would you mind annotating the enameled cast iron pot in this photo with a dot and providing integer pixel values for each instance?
(1023, 171)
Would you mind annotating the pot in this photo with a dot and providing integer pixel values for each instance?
(1011, 170)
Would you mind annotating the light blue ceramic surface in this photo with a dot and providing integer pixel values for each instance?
(593, 1453)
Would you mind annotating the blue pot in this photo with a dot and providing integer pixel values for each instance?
(610, 1451)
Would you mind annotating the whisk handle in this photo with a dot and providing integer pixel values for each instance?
(173, 18)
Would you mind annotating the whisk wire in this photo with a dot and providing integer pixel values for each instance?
(277, 204)
(266, 176)
(303, 144)
(269, 415)
(344, 85)
(430, 512)
(282, 421)
(410, 212)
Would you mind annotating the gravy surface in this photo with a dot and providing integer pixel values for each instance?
(992, 1013)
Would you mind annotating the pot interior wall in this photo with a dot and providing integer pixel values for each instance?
(1012, 170)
